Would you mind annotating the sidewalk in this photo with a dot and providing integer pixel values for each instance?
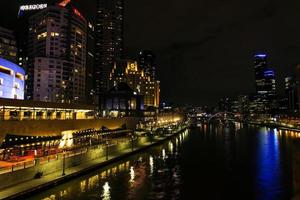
(56, 177)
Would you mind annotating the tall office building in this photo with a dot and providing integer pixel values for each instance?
(109, 41)
(8, 47)
(264, 76)
(146, 61)
(265, 83)
(56, 65)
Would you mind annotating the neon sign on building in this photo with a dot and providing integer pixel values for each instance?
(33, 7)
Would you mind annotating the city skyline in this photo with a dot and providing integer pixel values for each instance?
(186, 54)
(117, 99)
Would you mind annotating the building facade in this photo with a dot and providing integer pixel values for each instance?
(57, 55)
(8, 46)
(129, 72)
(12, 80)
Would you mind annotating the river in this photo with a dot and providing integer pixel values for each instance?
(207, 162)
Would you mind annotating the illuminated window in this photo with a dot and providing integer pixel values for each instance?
(19, 76)
(54, 34)
(42, 35)
(1, 81)
(5, 70)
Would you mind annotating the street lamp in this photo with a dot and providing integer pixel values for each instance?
(132, 142)
(106, 149)
(64, 163)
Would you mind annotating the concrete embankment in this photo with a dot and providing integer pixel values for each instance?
(19, 184)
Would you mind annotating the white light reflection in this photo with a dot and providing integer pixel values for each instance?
(163, 154)
(237, 126)
(106, 192)
(171, 147)
(51, 197)
(151, 163)
(131, 175)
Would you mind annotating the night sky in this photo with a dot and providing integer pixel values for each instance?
(205, 47)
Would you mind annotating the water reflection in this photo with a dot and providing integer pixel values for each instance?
(171, 147)
(268, 166)
(131, 175)
(163, 154)
(151, 165)
(106, 192)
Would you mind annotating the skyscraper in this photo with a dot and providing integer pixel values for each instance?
(109, 41)
(146, 61)
(264, 76)
(265, 83)
(57, 55)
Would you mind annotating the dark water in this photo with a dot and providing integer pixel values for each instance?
(208, 162)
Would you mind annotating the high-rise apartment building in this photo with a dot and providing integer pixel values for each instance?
(56, 67)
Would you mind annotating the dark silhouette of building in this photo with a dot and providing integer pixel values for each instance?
(8, 46)
(121, 100)
(146, 61)
(109, 41)
(291, 97)
(90, 65)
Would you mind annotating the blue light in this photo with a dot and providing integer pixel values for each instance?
(261, 55)
(269, 72)
(268, 166)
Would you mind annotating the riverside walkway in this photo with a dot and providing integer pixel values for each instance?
(66, 173)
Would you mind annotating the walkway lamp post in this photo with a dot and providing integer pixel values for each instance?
(64, 163)
(106, 149)
(132, 137)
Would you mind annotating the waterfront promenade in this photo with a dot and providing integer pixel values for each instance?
(82, 163)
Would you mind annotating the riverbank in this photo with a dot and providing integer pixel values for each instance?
(273, 125)
(27, 188)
